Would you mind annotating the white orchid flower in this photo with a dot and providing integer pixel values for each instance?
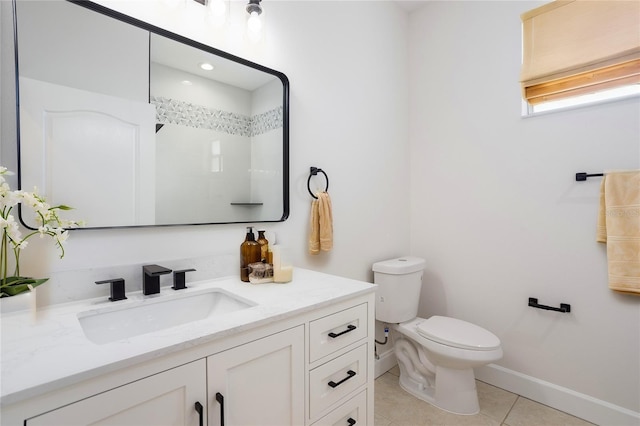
(50, 224)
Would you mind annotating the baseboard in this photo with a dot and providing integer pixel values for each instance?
(385, 362)
(580, 405)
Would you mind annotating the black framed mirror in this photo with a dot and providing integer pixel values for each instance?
(118, 119)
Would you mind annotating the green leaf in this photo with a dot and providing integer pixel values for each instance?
(16, 285)
(62, 207)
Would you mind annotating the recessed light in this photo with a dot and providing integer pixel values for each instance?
(206, 66)
(187, 83)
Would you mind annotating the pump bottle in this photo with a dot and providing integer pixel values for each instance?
(249, 253)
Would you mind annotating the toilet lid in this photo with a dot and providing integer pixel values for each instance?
(457, 333)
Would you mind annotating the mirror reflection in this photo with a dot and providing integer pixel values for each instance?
(135, 126)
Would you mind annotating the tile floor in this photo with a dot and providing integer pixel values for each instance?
(395, 407)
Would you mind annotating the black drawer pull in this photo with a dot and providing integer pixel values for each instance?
(220, 400)
(350, 327)
(351, 421)
(350, 373)
(199, 409)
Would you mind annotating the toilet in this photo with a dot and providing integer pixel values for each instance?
(436, 355)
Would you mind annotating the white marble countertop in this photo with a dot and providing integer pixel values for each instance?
(52, 351)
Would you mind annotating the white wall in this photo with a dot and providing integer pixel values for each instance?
(179, 168)
(497, 213)
(266, 152)
(349, 105)
(104, 60)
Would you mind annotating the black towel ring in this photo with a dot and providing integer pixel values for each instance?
(313, 171)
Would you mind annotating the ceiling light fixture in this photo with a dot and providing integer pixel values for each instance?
(206, 66)
(254, 23)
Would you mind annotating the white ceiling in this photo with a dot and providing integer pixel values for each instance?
(186, 58)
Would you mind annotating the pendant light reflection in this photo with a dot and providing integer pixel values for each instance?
(174, 4)
(217, 12)
(254, 21)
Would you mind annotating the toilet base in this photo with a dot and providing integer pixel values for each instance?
(454, 390)
(439, 374)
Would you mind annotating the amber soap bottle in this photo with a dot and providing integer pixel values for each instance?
(264, 246)
(249, 253)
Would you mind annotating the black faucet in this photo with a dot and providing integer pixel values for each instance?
(117, 288)
(179, 281)
(151, 278)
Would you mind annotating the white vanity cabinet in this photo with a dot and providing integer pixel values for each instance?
(340, 368)
(310, 368)
(259, 383)
(167, 398)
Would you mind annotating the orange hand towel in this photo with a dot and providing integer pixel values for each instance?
(321, 231)
(619, 228)
(314, 233)
(326, 221)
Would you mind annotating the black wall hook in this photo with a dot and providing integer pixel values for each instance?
(313, 171)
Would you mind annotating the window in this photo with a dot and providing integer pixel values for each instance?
(216, 157)
(589, 98)
(580, 51)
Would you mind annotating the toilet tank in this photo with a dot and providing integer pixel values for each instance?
(398, 293)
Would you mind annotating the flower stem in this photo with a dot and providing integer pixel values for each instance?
(3, 258)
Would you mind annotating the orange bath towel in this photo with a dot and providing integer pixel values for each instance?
(321, 227)
(619, 228)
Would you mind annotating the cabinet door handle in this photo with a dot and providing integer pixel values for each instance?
(200, 411)
(350, 373)
(350, 327)
(351, 421)
(220, 399)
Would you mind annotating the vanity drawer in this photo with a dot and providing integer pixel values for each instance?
(351, 413)
(331, 382)
(336, 331)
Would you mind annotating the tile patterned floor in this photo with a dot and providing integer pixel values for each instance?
(395, 407)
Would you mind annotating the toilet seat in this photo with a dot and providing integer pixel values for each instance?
(457, 333)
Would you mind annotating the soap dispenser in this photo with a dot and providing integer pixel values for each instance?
(264, 246)
(249, 253)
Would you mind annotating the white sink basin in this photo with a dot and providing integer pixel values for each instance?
(133, 318)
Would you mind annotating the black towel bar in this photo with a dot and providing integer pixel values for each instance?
(583, 176)
(313, 171)
(564, 307)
